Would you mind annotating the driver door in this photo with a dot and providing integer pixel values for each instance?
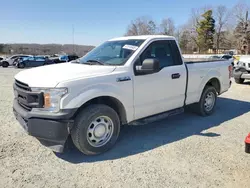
(161, 91)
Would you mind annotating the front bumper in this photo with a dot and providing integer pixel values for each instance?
(241, 73)
(245, 76)
(52, 130)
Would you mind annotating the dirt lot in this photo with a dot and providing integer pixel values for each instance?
(182, 151)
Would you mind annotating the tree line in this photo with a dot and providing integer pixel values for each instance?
(44, 49)
(207, 30)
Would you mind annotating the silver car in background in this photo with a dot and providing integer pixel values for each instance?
(10, 61)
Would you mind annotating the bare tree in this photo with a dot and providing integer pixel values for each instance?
(240, 11)
(221, 16)
(167, 27)
(141, 26)
(242, 30)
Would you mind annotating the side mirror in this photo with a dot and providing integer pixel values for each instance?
(150, 66)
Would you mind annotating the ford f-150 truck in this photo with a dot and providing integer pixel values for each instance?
(124, 81)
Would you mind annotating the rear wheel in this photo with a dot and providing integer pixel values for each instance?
(5, 64)
(239, 80)
(207, 102)
(96, 129)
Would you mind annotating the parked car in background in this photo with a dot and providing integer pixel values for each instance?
(64, 58)
(33, 61)
(1, 58)
(10, 60)
(242, 71)
(68, 58)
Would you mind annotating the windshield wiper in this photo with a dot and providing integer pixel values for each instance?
(95, 61)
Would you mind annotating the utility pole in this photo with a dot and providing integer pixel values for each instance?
(73, 38)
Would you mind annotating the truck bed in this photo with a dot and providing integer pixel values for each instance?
(199, 71)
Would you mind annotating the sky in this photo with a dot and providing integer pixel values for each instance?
(94, 21)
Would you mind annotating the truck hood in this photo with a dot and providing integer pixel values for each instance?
(51, 75)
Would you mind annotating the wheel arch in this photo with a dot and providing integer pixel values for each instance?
(112, 102)
(215, 83)
(212, 81)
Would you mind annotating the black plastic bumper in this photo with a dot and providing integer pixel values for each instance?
(239, 72)
(51, 129)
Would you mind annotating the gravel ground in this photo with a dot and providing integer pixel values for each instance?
(182, 151)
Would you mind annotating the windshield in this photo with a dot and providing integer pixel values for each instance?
(112, 52)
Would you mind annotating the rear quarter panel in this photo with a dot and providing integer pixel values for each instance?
(200, 73)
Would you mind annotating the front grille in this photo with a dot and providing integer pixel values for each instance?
(28, 108)
(26, 98)
(22, 85)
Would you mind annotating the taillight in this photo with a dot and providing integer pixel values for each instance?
(230, 70)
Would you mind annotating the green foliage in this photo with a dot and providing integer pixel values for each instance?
(205, 30)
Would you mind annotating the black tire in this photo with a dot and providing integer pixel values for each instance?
(21, 65)
(200, 107)
(5, 64)
(239, 80)
(83, 122)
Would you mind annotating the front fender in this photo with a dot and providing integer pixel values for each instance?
(77, 97)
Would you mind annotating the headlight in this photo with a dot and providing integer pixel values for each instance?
(52, 98)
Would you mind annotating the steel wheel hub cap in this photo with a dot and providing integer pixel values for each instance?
(100, 131)
(209, 101)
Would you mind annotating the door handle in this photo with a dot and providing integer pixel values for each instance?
(176, 76)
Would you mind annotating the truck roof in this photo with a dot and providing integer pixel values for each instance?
(142, 37)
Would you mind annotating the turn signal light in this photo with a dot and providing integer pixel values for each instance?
(47, 102)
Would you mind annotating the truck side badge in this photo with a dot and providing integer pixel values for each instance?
(123, 79)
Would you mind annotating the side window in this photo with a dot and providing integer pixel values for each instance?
(30, 59)
(160, 50)
(13, 57)
(176, 53)
(40, 59)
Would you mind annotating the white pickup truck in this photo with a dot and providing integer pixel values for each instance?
(127, 80)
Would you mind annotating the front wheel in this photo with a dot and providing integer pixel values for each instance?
(5, 64)
(207, 102)
(21, 65)
(96, 129)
